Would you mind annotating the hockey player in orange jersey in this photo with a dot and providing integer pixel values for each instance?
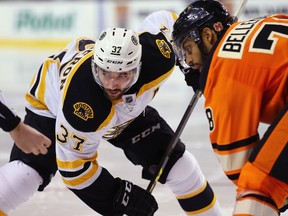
(243, 69)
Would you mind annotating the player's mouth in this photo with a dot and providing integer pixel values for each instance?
(113, 94)
(198, 67)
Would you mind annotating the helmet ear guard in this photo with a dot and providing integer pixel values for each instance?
(117, 50)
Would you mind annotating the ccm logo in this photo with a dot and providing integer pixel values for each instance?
(114, 62)
(145, 133)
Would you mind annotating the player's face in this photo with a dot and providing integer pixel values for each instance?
(193, 56)
(115, 83)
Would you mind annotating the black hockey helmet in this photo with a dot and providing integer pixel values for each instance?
(200, 14)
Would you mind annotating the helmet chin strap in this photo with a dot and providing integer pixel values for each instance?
(129, 86)
(137, 74)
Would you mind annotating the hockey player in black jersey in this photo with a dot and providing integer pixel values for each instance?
(94, 90)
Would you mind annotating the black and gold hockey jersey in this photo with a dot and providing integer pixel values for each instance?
(64, 88)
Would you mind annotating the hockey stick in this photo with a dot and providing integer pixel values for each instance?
(174, 141)
(183, 122)
(240, 9)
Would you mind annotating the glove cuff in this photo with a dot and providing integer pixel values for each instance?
(11, 123)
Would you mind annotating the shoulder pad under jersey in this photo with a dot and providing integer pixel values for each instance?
(84, 105)
(157, 56)
(159, 21)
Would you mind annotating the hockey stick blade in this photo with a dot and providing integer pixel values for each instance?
(174, 141)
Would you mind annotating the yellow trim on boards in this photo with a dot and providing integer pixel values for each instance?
(34, 44)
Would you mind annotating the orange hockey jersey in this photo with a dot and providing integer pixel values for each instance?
(245, 83)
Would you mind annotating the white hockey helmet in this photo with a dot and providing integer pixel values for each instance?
(117, 50)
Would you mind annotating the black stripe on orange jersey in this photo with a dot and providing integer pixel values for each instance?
(259, 198)
(281, 160)
(235, 145)
(198, 202)
(233, 177)
(267, 134)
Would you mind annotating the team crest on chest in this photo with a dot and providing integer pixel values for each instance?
(83, 110)
(164, 48)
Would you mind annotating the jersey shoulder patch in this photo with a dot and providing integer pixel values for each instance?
(157, 53)
(164, 48)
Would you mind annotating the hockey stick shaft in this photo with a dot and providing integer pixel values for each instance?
(174, 141)
(241, 8)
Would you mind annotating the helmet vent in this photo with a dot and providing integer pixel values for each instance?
(200, 14)
(118, 51)
(100, 59)
(124, 34)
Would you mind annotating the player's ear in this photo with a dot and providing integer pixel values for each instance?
(209, 37)
(207, 34)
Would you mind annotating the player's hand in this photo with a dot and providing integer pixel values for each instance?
(133, 200)
(29, 140)
(192, 76)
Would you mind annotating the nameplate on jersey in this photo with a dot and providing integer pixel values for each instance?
(129, 101)
(71, 65)
(233, 44)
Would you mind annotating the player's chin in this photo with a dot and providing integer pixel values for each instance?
(113, 95)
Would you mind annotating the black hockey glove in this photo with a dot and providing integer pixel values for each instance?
(133, 200)
(8, 121)
(192, 76)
